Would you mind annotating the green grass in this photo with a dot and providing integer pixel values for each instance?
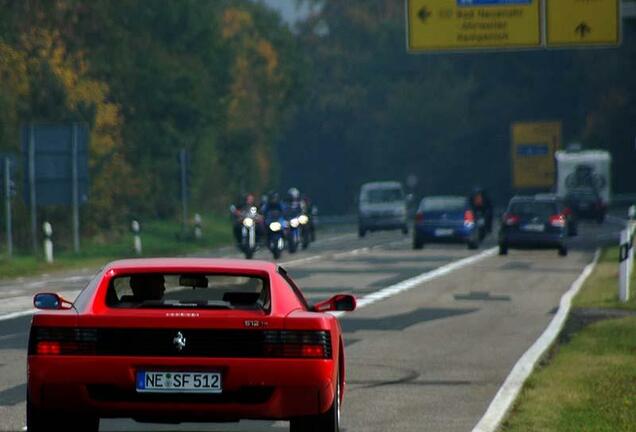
(159, 238)
(588, 384)
(601, 288)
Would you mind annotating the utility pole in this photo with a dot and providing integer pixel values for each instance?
(32, 198)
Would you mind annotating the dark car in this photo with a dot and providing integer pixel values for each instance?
(444, 219)
(586, 203)
(531, 222)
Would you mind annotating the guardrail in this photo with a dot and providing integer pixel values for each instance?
(626, 259)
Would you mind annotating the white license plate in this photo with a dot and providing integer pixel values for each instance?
(443, 232)
(178, 382)
(533, 227)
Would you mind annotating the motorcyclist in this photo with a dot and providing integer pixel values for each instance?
(273, 204)
(238, 209)
(480, 203)
(294, 203)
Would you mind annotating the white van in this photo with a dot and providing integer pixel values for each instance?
(382, 206)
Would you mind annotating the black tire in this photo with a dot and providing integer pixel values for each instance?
(417, 243)
(276, 253)
(328, 421)
(362, 232)
(563, 250)
(38, 421)
(503, 249)
(405, 230)
(249, 253)
(473, 244)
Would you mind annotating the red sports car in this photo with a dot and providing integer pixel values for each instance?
(175, 340)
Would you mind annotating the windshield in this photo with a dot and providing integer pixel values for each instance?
(533, 208)
(376, 196)
(442, 204)
(188, 290)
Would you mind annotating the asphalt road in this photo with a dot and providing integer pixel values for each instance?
(428, 358)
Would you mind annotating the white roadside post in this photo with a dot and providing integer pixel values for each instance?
(623, 259)
(135, 226)
(632, 231)
(198, 232)
(48, 242)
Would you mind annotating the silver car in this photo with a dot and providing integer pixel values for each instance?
(382, 206)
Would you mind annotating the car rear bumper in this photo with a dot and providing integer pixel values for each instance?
(439, 233)
(532, 239)
(252, 388)
(385, 222)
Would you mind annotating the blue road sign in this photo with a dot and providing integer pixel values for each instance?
(532, 150)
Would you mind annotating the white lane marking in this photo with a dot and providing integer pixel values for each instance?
(411, 283)
(511, 387)
(301, 260)
(351, 252)
(17, 314)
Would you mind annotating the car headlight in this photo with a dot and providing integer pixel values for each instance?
(294, 223)
(248, 222)
(303, 219)
(275, 226)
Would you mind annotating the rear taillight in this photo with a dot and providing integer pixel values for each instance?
(557, 221)
(469, 217)
(48, 348)
(510, 219)
(62, 341)
(297, 344)
(419, 217)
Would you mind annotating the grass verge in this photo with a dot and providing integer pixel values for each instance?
(587, 384)
(159, 238)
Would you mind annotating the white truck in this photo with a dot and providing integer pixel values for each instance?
(584, 169)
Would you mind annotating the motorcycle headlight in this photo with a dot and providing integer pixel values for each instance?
(275, 226)
(248, 222)
(303, 219)
(294, 223)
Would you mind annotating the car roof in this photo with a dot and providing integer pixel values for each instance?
(191, 264)
(381, 185)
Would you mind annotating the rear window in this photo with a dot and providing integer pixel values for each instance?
(188, 290)
(383, 195)
(442, 204)
(533, 208)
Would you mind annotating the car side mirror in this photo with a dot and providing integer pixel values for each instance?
(339, 302)
(50, 301)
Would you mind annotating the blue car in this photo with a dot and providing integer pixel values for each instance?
(445, 219)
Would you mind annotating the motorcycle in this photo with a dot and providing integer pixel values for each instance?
(276, 227)
(294, 233)
(306, 230)
(249, 241)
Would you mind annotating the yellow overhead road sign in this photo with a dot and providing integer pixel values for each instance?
(436, 25)
(533, 148)
(582, 22)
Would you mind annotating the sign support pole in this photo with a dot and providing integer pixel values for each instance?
(7, 202)
(75, 190)
(184, 192)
